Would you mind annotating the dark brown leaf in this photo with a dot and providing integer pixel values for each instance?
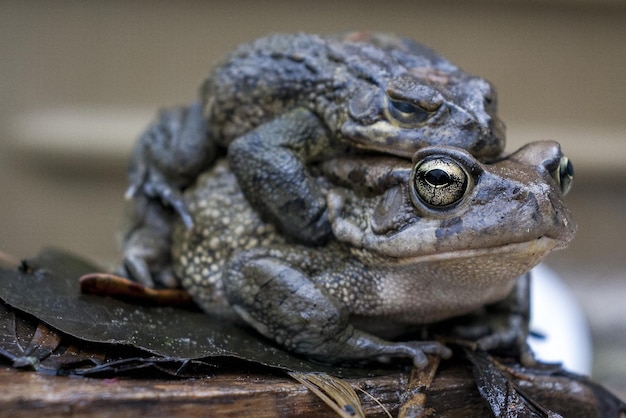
(46, 287)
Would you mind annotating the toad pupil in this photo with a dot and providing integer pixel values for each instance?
(437, 178)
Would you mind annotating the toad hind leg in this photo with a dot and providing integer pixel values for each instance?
(284, 305)
(169, 156)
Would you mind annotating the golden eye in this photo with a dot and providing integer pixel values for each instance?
(439, 182)
(564, 174)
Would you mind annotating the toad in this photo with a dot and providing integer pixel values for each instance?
(414, 242)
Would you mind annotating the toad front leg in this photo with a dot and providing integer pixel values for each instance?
(285, 305)
(270, 165)
(504, 325)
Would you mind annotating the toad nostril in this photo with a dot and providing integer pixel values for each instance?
(466, 121)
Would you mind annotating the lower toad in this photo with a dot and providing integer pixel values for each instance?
(414, 242)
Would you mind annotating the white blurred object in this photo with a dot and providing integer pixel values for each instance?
(557, 315)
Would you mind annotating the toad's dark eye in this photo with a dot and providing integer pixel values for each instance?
(407, 113)
(439, 182)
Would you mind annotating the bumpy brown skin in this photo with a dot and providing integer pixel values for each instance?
(396, 258)
(285, 102)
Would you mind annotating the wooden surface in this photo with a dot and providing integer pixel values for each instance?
(452, 393)
(26, 394)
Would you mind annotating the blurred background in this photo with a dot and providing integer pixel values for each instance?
(79, 80)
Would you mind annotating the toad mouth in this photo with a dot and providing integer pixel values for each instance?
(532, 249)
